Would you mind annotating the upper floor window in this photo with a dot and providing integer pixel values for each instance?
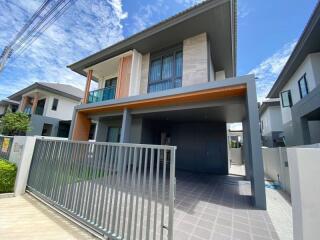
(55, 104)
(286, 98)
(303, 86)
(165, 70)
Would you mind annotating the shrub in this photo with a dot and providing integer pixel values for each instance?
(8, 172)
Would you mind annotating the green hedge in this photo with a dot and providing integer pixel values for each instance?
(8, 172)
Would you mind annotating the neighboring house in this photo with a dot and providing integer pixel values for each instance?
(7, 105)
(271, 123)
(50, 106)
(175, 83)
(298, 87)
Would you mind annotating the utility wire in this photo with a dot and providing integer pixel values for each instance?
(29, 42)
(43, 18)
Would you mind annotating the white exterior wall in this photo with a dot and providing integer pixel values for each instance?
(65, 105)
(101, 82)
(64, 110)
(2, 109)
(135, 74)
(272, 120)
(310, 67)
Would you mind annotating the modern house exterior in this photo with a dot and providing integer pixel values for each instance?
(50, 106)
(271, 123)
(175, 83)
(7, 105)
(298, 87)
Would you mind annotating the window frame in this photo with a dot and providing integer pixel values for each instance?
(303, 78)
(52, 106)
(172, 51)
(289, 98)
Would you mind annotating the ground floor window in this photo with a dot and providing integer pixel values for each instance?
(113, 134)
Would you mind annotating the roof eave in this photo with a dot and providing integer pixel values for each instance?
(180, 17)
(46, 88)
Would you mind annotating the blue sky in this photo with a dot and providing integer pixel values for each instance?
(267, 33)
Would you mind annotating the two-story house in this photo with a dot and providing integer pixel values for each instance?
(175, 83)
(7, 105)
(298, 87)
(50, 106)
(271, 123)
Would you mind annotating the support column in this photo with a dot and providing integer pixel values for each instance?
(35, 103)
(23, 103)
(254, 141)
(302, 132)
(126, 126)
(81, 127)
(87, 89)
(101, 131)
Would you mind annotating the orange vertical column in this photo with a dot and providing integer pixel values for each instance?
(23, 103)
(35, 103)
(123, 82)
(87, 89)
(81, 127)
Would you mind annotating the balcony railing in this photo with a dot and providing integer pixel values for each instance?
(102, 94)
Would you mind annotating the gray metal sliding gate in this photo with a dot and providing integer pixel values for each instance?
(122, 191)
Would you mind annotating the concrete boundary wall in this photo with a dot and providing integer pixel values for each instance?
(276, 168)
(304, 164)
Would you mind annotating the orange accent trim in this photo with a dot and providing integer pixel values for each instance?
(35, 103)
(118, 87)
(179, 99)
(81, 127)
(23, 103)
(87, 89)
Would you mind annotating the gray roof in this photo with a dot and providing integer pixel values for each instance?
(218, 18)
(307, 44)
(8, 101)
(57, 88)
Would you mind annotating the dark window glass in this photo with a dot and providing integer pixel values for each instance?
(155, 70)
(167, 67)
(165, 71)
(113, 134)
(92, 131)
(111, 82)
(303, 86)
(286, 98)
(40, 107)
(55, 104)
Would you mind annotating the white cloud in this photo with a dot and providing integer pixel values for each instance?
(269, 69)
(189, 2)
(243, 9)
(84, 29)
(146, 15)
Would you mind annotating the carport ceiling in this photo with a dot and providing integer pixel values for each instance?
(229, 113)
(314, 115)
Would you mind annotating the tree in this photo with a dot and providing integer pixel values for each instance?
(14, 123)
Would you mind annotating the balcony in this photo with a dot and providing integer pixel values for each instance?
(102, 94)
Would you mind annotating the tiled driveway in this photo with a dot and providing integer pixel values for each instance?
(218, 207)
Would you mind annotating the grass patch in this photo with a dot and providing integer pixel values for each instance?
(8, 172)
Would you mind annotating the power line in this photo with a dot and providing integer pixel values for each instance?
(43, 18)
